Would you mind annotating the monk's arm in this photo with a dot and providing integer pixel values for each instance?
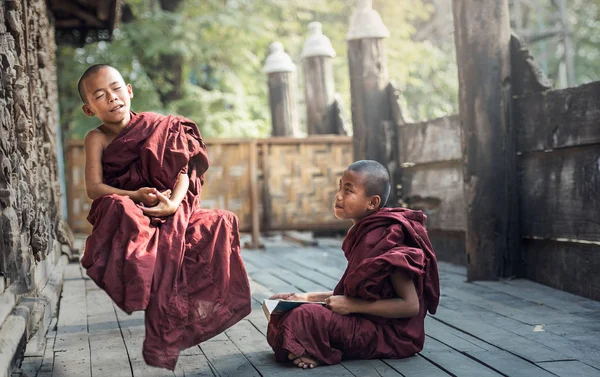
(404, 306)
(318, 296)
(168, 205)
(94, 185)
(180, 189)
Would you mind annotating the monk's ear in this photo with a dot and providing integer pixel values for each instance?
(375, 202)
(130, 90)
(86, 109)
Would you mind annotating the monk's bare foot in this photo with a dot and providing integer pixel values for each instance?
(305, 362)
(291, 356)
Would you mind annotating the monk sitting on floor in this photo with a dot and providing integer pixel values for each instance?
(152, 247)
(377, 309)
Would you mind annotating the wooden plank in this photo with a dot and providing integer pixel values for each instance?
(558, 119)
(509, 364)
(434, 140)
(543, 295)
(254, 201)
(557, 191)
(499, 337)
(437, 190)
(570, 369)
(254, 347)
(566, 266)
(454, 362)
(107, 347)
(482, 36)
(289, 276)
(370, 368)
(133, 335)
(289, 265)
(282, 101)
(71, 347)
(449, 246)
(48, 359)
(416, 366)
(227, 360)
(457, 339)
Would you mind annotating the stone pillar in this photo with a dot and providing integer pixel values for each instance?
(319, 87)
(368, 81)
(281, 73)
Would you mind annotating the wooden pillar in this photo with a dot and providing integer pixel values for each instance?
(482, 35)
(319, 88)
(368, 81)
(281, 73)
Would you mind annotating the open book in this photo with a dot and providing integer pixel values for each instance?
(281, 306)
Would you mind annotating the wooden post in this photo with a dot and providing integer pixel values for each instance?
(319, 87)
(482, 35)
(253, 161)
(368, 80)
(281, 72)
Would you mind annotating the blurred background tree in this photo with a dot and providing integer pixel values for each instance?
(203, 58)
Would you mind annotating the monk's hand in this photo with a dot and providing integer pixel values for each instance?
(147, 196)
(290, 296)
(341, 304)
(164, 208)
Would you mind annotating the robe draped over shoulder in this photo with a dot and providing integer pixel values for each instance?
(390, 240)
(184, 270)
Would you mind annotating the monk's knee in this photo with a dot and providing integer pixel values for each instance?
(228, 216)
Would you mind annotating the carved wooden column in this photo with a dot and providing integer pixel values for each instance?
(319, 87)
(281, 73)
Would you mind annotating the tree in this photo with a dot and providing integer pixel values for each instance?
(203, 59)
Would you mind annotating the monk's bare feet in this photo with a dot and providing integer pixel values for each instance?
(305, 362)
(291, 356)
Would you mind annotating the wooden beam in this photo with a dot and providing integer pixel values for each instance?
(482, 35)
(76, 10)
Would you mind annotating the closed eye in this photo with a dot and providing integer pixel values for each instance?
(100, 96)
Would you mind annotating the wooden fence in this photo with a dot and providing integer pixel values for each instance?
(558, 185)
(278, 183)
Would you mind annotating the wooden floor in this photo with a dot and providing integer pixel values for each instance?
(511, 328)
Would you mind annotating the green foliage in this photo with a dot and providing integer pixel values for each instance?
(220, 48)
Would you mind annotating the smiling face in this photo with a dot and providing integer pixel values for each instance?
(108, 97)
(351, 199)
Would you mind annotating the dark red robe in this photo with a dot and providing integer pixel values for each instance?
(390, 240)
(185, 270)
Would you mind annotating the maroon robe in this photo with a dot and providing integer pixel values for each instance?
(390, 240)
(184, 270)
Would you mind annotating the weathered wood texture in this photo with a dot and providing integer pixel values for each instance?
(482, 36)
(571, 267)
(319, 95)
(370, 107)
(527, 77)
(559, 176)
(558, 119)
(432, 181)
(30, 214)
(512, 328)
(283, 103)
(436, 140)
(297, 179)
(558, 193)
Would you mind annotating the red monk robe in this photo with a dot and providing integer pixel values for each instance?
(185, 270)
(380, 244)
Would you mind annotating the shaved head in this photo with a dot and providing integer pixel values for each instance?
(375, 178)
(92, 70)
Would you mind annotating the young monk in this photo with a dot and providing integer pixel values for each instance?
(152, 247)
(377, 309)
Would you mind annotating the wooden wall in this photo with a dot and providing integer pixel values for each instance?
(558, 168)
(301, 180)
(432, 181)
